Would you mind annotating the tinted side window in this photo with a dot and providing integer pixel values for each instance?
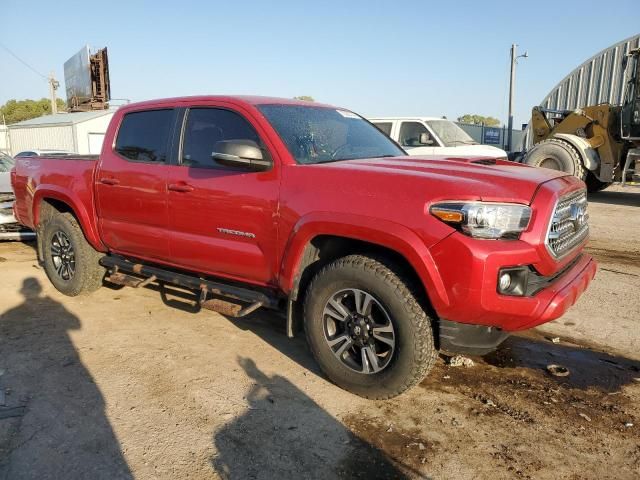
(143, 136)
(384, 127)
(410, 134)
(207, 126)
(26, 154)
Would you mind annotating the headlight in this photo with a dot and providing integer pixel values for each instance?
(484, 219)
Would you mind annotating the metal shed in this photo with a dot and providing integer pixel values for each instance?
(598, 80)
(81, 132)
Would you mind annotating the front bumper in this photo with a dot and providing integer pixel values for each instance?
(548, 304)
(469, 270)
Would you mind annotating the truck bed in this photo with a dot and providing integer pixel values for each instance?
(61, 176)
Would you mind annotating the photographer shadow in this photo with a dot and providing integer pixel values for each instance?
(53, 423)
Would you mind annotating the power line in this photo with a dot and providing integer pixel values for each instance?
(23, 62)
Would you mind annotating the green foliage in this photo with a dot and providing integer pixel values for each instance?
(479, 120)
(19, 110)
(306, 98)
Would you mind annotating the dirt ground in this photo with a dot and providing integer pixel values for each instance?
(139, 384)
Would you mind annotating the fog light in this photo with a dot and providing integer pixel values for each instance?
(513, 281)
(505, 282)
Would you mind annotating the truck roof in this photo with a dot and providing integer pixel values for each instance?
(235, 99)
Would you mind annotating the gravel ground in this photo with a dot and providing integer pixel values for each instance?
(139, 384)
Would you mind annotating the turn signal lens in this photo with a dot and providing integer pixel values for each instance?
(447, 215)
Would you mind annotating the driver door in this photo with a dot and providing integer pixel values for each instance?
(411, 133)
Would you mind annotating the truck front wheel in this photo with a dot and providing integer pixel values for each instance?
(366, 328)
(72, 265)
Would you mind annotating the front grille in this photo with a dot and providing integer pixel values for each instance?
(569, 224)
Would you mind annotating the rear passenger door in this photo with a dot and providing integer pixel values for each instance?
(131, 185)
(222, 219)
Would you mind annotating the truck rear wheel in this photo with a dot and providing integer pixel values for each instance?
(557, 154)
(72, 265)
(366, 328)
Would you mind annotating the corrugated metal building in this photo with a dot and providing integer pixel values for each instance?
(598, 80)
(81, 132)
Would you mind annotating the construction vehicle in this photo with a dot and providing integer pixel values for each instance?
(599, 144)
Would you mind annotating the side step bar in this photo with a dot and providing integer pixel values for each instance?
(237, 301)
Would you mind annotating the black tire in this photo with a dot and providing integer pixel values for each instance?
(594, 185)
(557, 154)
(414, 353)
(80, 257)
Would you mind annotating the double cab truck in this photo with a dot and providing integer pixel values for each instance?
(381, 258)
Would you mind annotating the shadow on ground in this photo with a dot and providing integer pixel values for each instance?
(588, 367)
(630, 198)
(53, 422)
(285, 434)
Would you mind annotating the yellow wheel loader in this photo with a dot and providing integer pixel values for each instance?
(599, 144)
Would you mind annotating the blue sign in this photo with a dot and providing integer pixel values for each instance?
(491, 136)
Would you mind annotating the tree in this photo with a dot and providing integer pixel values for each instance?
(306, 98)
(479, 120)
(18, 110)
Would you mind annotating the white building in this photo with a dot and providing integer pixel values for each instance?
(4, 139)
(81, 132)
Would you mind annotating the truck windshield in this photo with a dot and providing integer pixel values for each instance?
(450, 133)
(320, 134)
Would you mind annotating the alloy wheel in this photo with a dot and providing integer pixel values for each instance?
(63, 256)
(359, 331)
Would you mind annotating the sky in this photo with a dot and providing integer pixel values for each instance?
(378, 58)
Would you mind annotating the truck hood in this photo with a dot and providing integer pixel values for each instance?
(472, 178)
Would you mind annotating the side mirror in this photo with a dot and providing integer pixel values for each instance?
(244, 154)
(425, 139)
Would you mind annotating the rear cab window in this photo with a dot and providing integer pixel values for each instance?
(145, 136)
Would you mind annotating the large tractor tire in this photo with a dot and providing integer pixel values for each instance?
(557, 154)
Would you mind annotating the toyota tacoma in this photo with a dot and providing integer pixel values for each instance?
(381, 258)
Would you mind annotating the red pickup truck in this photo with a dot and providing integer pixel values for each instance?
(262, 202)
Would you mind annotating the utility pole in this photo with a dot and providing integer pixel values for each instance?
(53, 86)
(512, 86)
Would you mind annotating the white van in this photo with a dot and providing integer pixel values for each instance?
(434, 136)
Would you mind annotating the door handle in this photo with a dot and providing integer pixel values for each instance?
(110, 181)
(180, 187)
